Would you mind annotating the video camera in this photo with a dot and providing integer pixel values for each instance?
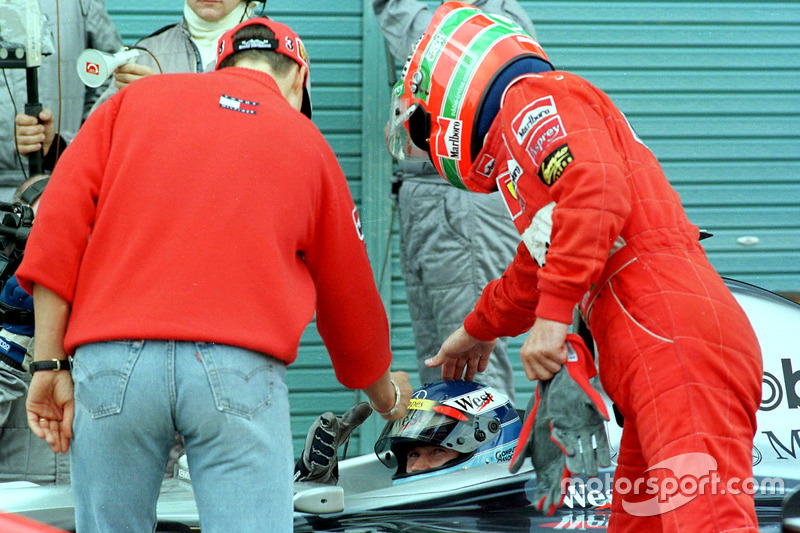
(15, 227)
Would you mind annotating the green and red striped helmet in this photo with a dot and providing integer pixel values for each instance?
(436, 106)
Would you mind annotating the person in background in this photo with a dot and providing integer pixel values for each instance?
(23, 457)
(151, 312)
(71, 27)
(452, 243)
(189, 45)
(186, 46)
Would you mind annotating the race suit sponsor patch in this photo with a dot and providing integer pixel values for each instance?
(514, 170)
(554, 164)
(485, 165)
(508, 190)
(479, 401)
(421, 404)
(237, 104)
(448, 139)
(529, 118)
(548, 131)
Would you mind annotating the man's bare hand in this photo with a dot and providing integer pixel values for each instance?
(33, 134)
(51, 408)
(462, 355)
(127, 73)
(545, 349)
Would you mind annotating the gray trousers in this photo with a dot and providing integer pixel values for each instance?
(24, 456)
(452, 243)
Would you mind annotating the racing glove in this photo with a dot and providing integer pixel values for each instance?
(319, 461)
(577, 412)
(547, 458)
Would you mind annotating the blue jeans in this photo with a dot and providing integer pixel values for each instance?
(231, 406)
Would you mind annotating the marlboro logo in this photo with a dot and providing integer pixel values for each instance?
(530, 117)
(448, 140)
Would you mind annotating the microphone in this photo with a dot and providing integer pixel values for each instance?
(95, 67)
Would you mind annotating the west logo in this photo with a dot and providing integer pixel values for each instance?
(473, 404)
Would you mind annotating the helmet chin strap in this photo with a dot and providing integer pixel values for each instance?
(491, 101)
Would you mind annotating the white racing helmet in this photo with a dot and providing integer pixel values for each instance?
(472, 419)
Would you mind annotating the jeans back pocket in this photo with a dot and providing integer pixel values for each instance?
(241, 380)
(101, 372)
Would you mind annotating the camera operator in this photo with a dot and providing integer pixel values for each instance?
(70, 27)
(23, 457)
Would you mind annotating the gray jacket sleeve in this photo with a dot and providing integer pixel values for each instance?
(404, 21)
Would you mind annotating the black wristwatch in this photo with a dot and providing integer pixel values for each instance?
(54, 364)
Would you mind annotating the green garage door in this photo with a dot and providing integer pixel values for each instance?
(712, 87)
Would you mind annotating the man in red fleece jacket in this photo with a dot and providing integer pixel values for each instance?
(186, 239)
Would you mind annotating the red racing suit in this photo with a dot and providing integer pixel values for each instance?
(603, 228)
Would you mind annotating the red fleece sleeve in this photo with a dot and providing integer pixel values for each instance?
(350, 315)
(66, 212)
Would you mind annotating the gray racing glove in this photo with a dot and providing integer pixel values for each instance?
(547, 458)
(319, 461)
(577, 412)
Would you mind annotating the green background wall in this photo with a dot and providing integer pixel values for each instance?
(712, 87)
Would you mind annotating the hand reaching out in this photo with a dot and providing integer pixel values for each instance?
(462, 355)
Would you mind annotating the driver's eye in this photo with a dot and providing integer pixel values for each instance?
(413, 455)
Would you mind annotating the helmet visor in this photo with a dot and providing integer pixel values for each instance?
(433, 423)
(398, 139)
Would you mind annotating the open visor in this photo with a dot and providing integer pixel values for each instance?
(436, 424)
(398, 139)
